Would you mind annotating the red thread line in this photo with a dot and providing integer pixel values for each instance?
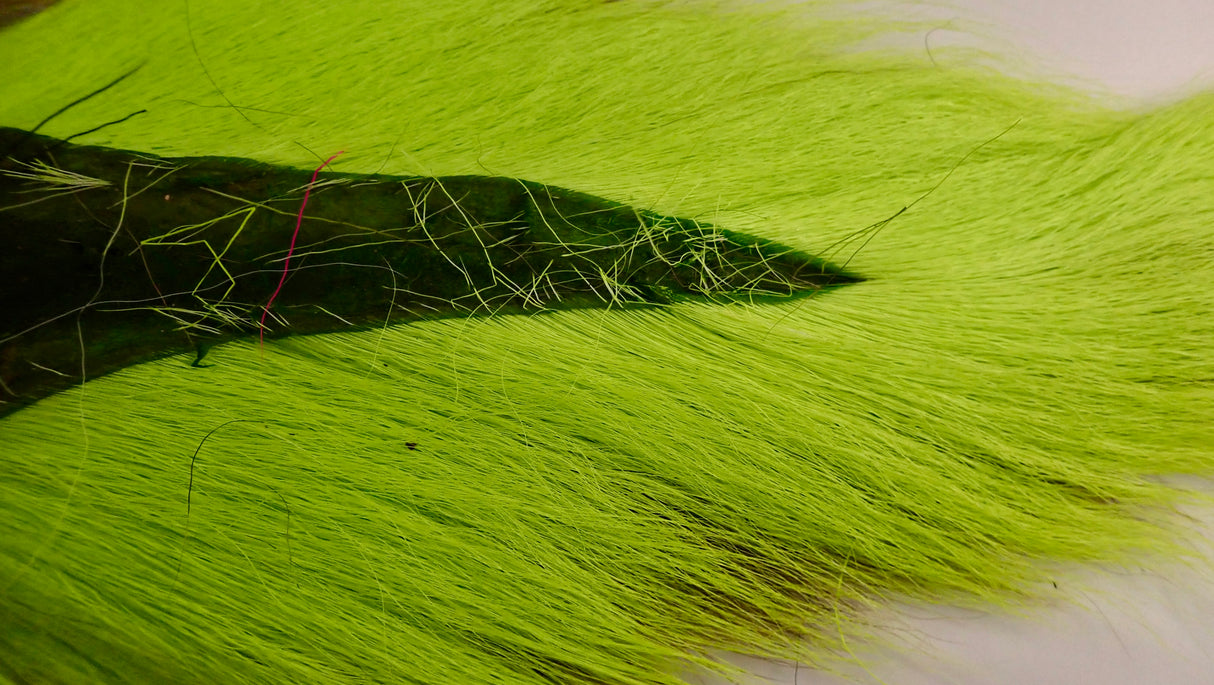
(261, 333)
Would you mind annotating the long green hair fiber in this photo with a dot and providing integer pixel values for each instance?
(606, 496)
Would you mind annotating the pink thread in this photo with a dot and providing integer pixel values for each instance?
(261, 333)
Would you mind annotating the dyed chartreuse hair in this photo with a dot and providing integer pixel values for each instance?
(598, 496)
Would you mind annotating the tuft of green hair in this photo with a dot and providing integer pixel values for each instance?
(601, 496)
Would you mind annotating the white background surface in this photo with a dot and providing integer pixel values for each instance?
(1142, 48)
